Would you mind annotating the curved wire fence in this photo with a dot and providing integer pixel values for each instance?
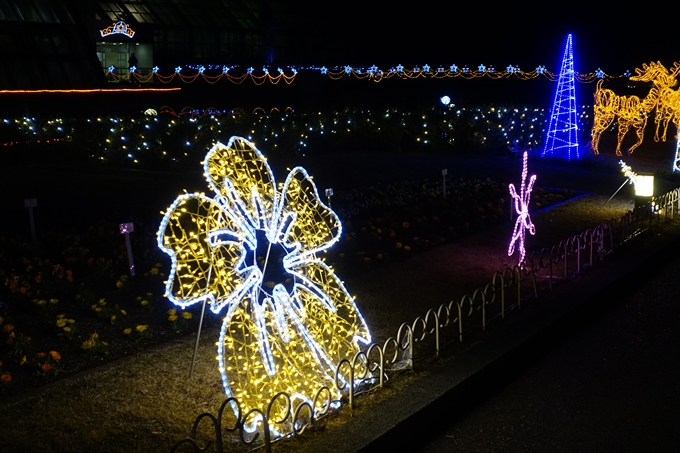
(441, 327)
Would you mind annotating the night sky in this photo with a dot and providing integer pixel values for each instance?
(482, 32)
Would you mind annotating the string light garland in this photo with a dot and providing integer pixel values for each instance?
(213, 73)
(289, 321)
(92, 90)
(561, 140)
(523, 221)
(631, 111)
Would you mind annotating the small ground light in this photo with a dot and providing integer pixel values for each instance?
(445, 100)
(644, 189)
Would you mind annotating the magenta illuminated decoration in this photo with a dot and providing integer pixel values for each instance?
(523, 222)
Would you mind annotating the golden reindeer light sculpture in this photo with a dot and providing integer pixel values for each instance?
(630, 110)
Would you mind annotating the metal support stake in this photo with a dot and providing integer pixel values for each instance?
(198, 334)
(126, 229)
(445, 171)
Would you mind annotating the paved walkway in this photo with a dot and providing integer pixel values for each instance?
(416, 412)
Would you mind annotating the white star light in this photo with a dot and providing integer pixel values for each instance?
(523, 222)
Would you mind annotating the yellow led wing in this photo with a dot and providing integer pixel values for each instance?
(329, 311)
(206, 247)
(240, 172)
(257, 360)
(313, 226)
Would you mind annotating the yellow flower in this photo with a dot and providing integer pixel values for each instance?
(119, 284)
(22, 361)
(127, 331)
(407, 248)
(42, 302)
(186, 315)
(113, 318)
(67, 329)
(55, 355)
(54, 301)
(71, 321)
(123, 312)
(98, 309)
(144, 303)
(142, 327)
(398, 245)
(102, 302)
(61, 322)
(172, 311)
(172, 318)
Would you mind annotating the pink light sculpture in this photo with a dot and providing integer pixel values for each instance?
(523, 222)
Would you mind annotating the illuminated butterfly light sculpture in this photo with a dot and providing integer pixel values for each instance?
(288, 322)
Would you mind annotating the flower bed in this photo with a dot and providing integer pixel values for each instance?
(68, 303)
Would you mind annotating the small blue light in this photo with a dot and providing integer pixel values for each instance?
(453, 68)
(400, 68)
(133, 68)
(426, 68)
(178, 69)
(323, 70)
(481, 68)
(111, 68)
(201, 69)
(445, 100)
(155, 69)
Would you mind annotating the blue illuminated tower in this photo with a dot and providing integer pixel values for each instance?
(561, 138)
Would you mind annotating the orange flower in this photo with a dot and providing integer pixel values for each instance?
(55, 355)
(6, 377)
(8, 328)
(38, 278)
(22, 361)
(46, 367)
(40, 355)
(23, 290)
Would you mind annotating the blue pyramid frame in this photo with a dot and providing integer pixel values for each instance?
(561, 139)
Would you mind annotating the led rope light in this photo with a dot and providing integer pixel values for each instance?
(561, 140)
(523, 221)
(286, 335)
